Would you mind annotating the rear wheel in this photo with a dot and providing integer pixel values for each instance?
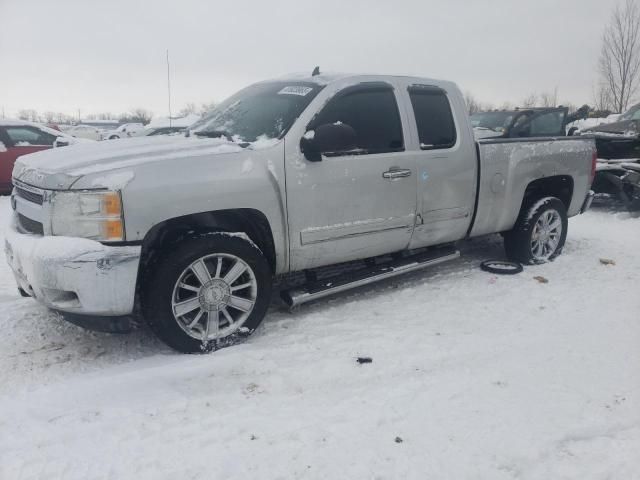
(211, 291)
(539, 233)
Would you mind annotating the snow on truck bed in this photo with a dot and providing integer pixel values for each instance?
(473, 376)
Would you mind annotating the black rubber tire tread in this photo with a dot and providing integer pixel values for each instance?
(157, 291)
(487, 267)
(517, 242)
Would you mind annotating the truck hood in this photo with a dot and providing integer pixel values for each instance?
(60, 168)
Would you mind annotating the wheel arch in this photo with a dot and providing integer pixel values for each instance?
(250, 221)
(559, 186)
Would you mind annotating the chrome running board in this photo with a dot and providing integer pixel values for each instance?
(340, 283)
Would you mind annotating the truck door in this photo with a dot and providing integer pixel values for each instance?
(357, 203)
(446, 163)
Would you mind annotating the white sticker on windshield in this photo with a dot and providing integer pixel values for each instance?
(295, 90)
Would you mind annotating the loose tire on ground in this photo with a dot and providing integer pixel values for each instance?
(539, 233)
(500, 267)
(210, 291)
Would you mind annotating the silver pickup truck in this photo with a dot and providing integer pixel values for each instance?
(289, 175)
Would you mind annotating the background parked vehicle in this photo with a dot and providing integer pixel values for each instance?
(618, 169)
(85, 131)
(124, 131)
(165, 125)
(529, 122)
(150, 132)
(619, 139)
(526, 122)
(19, 138)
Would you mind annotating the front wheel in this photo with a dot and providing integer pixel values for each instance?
(539, 233)
(210, 291)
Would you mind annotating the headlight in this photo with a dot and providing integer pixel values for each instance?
(93, 215)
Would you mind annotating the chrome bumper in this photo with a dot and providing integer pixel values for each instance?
(74, 275)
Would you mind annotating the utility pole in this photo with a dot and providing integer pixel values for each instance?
(169, 87)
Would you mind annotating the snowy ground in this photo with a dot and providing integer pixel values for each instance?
(479, 377)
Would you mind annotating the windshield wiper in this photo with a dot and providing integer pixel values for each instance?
(221, 133)
(214, 134)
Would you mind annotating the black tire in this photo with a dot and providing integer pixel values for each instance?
(158, 289)
(518, 241)
(500, 267)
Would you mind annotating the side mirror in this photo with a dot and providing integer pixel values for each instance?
(61, 142)
(327, 138)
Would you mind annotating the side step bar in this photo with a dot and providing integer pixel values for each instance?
(340, 283)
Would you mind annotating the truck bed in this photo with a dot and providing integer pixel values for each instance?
(507, 166)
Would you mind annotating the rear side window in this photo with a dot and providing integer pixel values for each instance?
(372, 112)
(436, 128)
(26, 136)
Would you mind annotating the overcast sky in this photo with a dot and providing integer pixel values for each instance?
(109, 55)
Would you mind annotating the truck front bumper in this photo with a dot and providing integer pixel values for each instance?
(74, 275)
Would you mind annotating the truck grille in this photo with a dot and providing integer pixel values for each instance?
(29, 195)
(30, 226)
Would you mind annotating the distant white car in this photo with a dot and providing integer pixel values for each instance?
(85, 131)
(124, 131)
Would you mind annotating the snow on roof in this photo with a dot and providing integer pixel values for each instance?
(327, 78)
(322, 79)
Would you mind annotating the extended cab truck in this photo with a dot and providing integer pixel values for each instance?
(286, 175)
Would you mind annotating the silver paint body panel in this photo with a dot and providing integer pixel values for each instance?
(339, 209)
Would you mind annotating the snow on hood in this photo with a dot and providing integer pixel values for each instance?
(59, 168)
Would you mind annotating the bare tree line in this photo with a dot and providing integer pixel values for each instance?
(545, 99)
(618, 68)
(138, 115)
(619, 63)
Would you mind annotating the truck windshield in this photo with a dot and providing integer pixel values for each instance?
(263, 110)
(497, 121)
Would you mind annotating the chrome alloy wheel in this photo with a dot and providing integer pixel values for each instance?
(214, 296)
(546, 235)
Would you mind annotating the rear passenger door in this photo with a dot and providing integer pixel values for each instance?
(446, 164)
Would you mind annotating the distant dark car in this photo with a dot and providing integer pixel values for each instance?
(521, 123)
(618, 145)
(620, 139)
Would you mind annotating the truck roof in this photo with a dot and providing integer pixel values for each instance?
(330, 77)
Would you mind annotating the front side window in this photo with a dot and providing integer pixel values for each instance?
(372, 112)
(436, 128)
(27, 136)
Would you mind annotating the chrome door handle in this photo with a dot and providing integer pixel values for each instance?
(396, 173)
